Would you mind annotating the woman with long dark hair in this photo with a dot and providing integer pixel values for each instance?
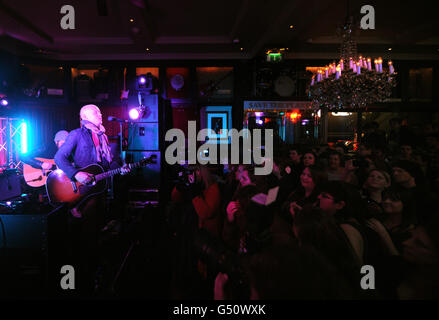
(397, 221)
(314, 227)
(310, 181)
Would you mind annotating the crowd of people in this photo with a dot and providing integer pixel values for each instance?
(308, 229)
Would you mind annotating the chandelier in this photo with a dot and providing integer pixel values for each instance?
(354, 82)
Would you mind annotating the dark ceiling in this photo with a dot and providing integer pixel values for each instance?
(206, 29)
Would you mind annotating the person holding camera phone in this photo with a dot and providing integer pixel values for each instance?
(197, 202)
(203, 192)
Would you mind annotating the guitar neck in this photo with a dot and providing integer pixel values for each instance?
(113, 172)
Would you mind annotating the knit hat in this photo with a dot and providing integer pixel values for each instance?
(61, 136)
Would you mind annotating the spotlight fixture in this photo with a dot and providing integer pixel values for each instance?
(4, 101)
(139, 112)
(144, 82)
(134, 113)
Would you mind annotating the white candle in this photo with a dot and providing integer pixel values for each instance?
(358, 68)
(351, 64)
(380, 64)
(354, 68)
(337, 75)
(326, 72)
(341, 64)
(312, 81)
(369, 65)
(391, 67)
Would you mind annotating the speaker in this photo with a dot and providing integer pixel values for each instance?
(9, 185)
(143, 136)
(145, 177)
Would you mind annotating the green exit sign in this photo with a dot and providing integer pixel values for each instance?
(274, 57)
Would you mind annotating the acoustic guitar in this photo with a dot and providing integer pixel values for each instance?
(60, 189)
(36, 177)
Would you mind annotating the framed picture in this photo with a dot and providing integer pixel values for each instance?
(218, 122)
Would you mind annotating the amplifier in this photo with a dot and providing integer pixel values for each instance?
(143, 136)
(9, 185)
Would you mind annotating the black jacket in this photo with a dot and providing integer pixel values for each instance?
(78, 151)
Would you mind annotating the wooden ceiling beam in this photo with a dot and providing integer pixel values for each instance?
(25, 22)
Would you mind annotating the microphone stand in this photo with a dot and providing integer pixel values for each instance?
(122, 156)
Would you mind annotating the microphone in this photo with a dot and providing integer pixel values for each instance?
(110, 118)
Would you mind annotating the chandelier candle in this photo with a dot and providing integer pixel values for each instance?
(356, 88)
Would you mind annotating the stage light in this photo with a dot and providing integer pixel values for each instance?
(134, 113)
(294, 116)
(145, 83)
(4, 102)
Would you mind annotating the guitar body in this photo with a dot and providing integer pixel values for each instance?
(60, 189)
(36, 177)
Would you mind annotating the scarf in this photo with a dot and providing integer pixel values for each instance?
(100, 141)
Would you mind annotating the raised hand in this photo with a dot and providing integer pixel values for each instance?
(232, 208)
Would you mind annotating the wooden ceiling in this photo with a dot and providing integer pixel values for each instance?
(206, 29)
